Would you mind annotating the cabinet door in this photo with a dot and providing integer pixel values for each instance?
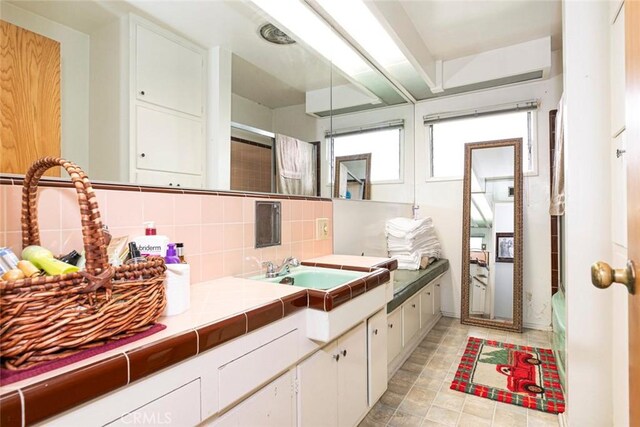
(377, 355)
(352, 376)
(167, 73)
(426, 305)
(271, 406)
(169, 179)
(168, 142)
(436, 298)
(318, 388)
(410, 318)
(180, 407)
(394, 334)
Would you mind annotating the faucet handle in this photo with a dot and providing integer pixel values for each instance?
(294, 262)
(270, 267)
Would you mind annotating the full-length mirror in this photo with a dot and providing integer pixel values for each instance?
(236, 90)
(492, 235)
(353, 177)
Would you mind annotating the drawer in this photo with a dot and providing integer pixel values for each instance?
(426, 305)
(248, 372)
(180, 407)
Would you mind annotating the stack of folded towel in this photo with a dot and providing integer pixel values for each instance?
(412, 240)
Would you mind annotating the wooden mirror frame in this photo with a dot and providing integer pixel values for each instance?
(367, 183)
(465, 318)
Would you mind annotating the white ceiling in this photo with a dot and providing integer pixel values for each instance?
(452, 29)
(277, 76)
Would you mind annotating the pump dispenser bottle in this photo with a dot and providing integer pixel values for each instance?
(151, 244)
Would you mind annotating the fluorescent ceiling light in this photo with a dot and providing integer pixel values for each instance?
(356, 18)
(300, 22)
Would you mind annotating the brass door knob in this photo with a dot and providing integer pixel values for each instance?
(602, 276)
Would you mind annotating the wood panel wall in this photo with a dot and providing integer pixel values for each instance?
(30, 95)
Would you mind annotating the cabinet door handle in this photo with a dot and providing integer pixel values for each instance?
(142, 155)
(141, 92)
(438, 285)
(336, 357)
(391, 325)
(344, 353)
(177, 185)
(428, 293)
(413, 305)
(375, 332)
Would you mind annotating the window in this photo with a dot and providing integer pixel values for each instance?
(447, 138)
(383, 142)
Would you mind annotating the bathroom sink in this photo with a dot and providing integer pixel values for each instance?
(314, 277)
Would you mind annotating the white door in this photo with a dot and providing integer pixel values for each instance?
(318, 388)
(394, 334)
(410, 318)
(426, 305)
(272, 406)
(352, 377)
(436, 299)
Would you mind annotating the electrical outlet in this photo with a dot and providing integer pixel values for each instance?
(322, 228)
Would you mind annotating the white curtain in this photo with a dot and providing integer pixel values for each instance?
(557, 180)
(295, 166)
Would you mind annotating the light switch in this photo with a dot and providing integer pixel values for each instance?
(322, 228)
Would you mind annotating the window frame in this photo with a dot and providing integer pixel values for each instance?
(532, 124)
(392, 124)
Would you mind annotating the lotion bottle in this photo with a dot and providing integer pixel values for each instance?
(151, 244)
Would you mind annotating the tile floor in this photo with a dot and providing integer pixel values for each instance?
(419, 394)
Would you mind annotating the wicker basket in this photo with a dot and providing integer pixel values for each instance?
(49, 317)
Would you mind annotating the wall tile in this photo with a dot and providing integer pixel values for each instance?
(233, 236)
(232, 263)
(188, 209)
(297, 212)
(218, 231)
(211, 209)
(13, 198)
(308, 209)
(159, 207)
(232, 209)
(212, 236)
(49, 209)
(125, 208)
(189, 235)
(211, 266)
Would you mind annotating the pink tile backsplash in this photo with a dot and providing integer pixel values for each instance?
(218, 231)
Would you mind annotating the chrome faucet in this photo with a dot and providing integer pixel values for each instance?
(275, 271)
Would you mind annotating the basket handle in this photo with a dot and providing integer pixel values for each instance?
(94, 246)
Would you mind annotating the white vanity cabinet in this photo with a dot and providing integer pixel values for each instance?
(377, 355)
(394, 334)
(426, 305)
(410, 318)
(273, 405)
(332, 383)
(180, 407)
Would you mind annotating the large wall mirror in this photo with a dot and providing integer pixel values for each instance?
(260, 103)
(492, 235)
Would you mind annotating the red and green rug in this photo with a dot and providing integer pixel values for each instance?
(509, 373)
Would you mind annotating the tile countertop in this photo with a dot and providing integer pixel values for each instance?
(220, 311)
(211, 302)
(353, 261)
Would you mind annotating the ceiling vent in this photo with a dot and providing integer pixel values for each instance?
(274, 35)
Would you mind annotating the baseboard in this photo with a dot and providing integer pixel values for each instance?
(562, 420)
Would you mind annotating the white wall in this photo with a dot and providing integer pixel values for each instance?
(358, 226)
(250, 113)
(502, 271)
(74, 79)
(587, 218)
(397, 192)
(442, 200)
(108, 141)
